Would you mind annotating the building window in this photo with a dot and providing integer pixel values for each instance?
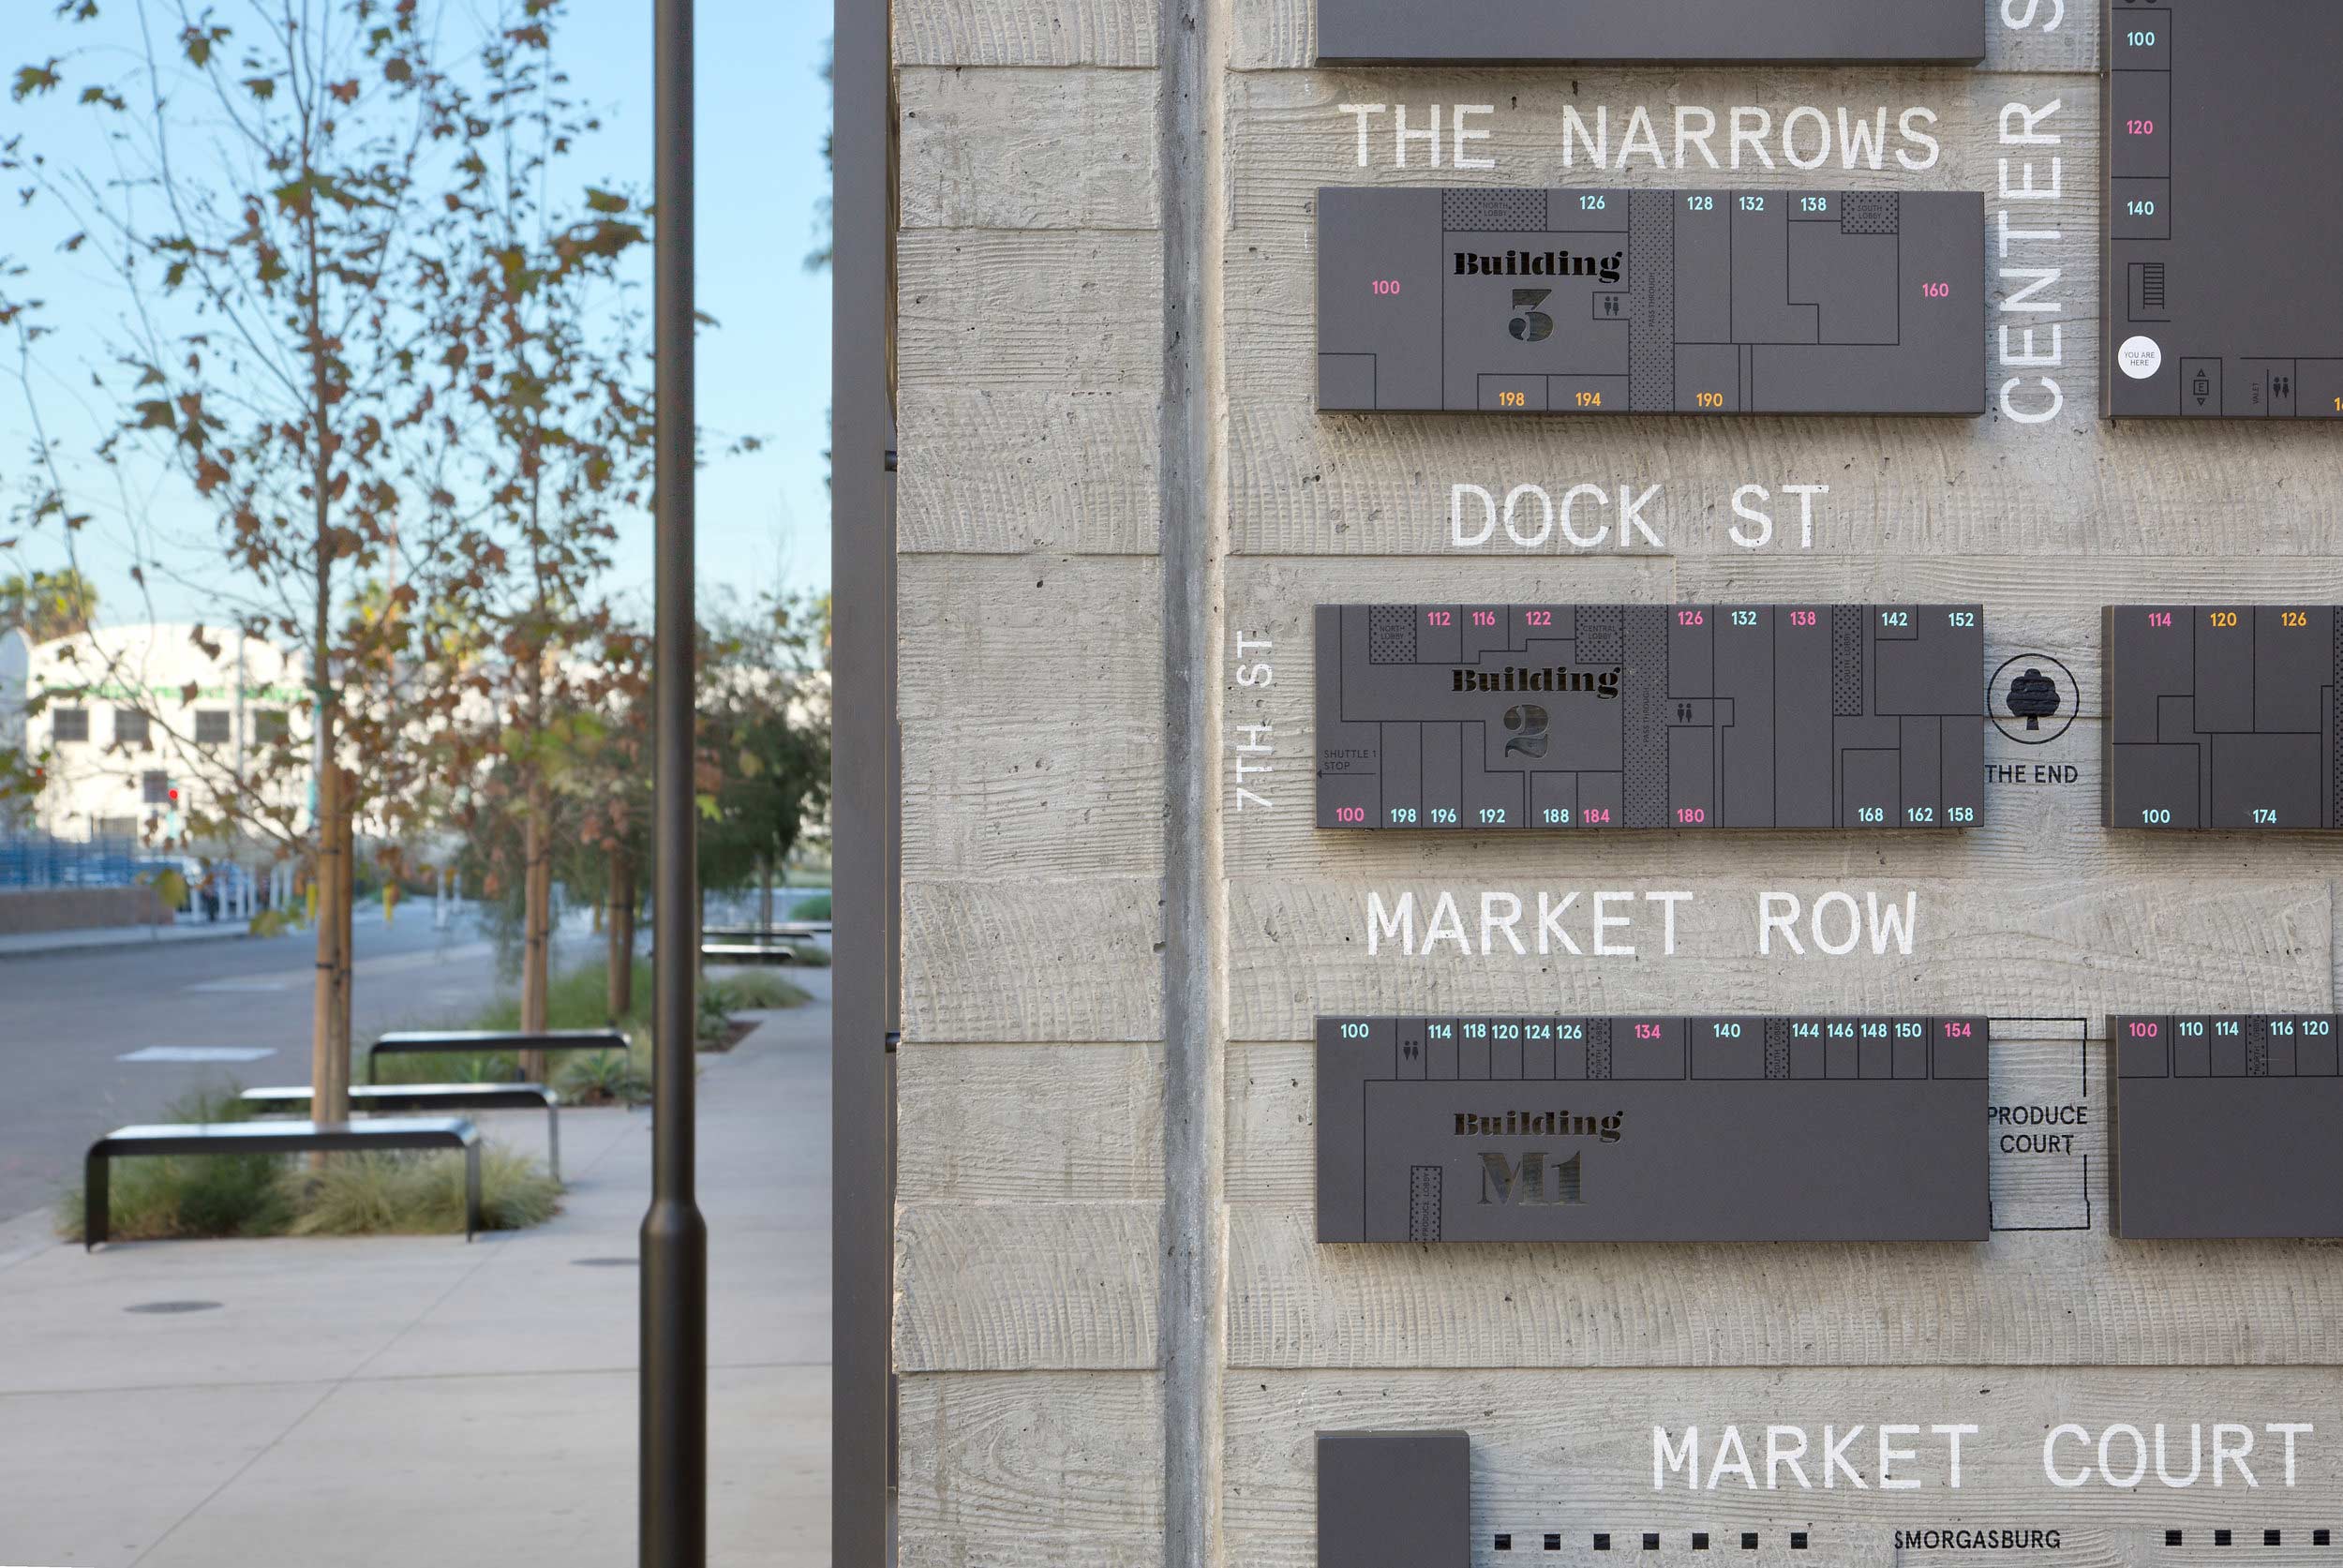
(268, 726)
(68, 725)
(130, 728)
(156, 785)
(211, 727)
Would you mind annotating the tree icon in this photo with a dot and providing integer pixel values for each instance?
(2033, 697)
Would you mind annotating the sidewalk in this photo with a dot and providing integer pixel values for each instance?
(394, 1400)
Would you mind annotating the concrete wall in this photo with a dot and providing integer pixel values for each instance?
(1116, 1331)
(80, 908)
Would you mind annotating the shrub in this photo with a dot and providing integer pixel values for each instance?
(813, 908)
(750, 990)
(604, 1078)
(275, 1195)
(380, 1194)
(191, 1195)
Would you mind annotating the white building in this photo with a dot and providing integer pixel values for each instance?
(144, 724)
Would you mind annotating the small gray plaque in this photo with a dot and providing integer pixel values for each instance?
(1690, 302)
(1489, 717)
(1395, 1500)
(2226, 1125)
(2221, 716)
(1516, 32)
(1579, 1128)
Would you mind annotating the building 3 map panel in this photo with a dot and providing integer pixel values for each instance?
(2221, 716)
(1574, 1128)
(1514, 32)
(1491, 717)
(1698, 301)
(2226, 1125)
(2222, 221)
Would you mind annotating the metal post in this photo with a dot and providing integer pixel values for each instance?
(673, 1504)
(863, 792)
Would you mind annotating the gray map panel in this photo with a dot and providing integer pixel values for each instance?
(1697, 302)
(1395, 1500)
(1517, 31)
(2221, 716)
(1576, 1128)
(1490, 717)
(2227, 1126)
(2222, 218)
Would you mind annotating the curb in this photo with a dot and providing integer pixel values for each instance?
(65, 944)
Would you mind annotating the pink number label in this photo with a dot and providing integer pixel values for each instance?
(1646, 1031)
(1595, 815)
(1936, 290)
(1540, 617)
(1690, 617)
(1438, 618)
(2159, 618)
(2144, 1031)
(1386, 285)
(1801, 618)
(1349, 814)
(1957, 1031)
(1690, 814)
(1484, 618)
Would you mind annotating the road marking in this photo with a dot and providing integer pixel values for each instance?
(198, 1053)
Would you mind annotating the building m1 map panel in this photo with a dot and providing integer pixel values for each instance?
(1695, 302)
(2221, 716)
(1484, 717)
(2225, 1126)
(1516, 32)
(1566, 1129)
(2224, 210)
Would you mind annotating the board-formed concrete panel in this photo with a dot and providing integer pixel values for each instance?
(1518, 31)
(2226, 1125)
(2222, 222)
(1579, 1128)
(1692, 302)
(2221, 716)
(1489, 717)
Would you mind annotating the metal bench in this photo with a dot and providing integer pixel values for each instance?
(226, 1138)
(745, 952)
(460, 1042)
(788, 931)
(434, 1097)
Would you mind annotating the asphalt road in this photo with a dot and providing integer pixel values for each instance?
(68, 1019)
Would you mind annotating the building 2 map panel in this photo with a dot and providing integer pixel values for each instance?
(1489, 717)
(2221, 716)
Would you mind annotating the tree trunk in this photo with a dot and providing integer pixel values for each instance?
(619, 930)
(765, 893)
(346, 810)
(536, 925)
(328, 1081)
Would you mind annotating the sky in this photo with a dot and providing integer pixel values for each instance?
(763, 112)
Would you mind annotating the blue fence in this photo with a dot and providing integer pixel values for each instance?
(41, 861)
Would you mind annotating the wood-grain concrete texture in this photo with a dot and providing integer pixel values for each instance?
(1034, 368)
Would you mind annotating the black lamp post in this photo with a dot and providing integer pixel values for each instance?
(672, 1504)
